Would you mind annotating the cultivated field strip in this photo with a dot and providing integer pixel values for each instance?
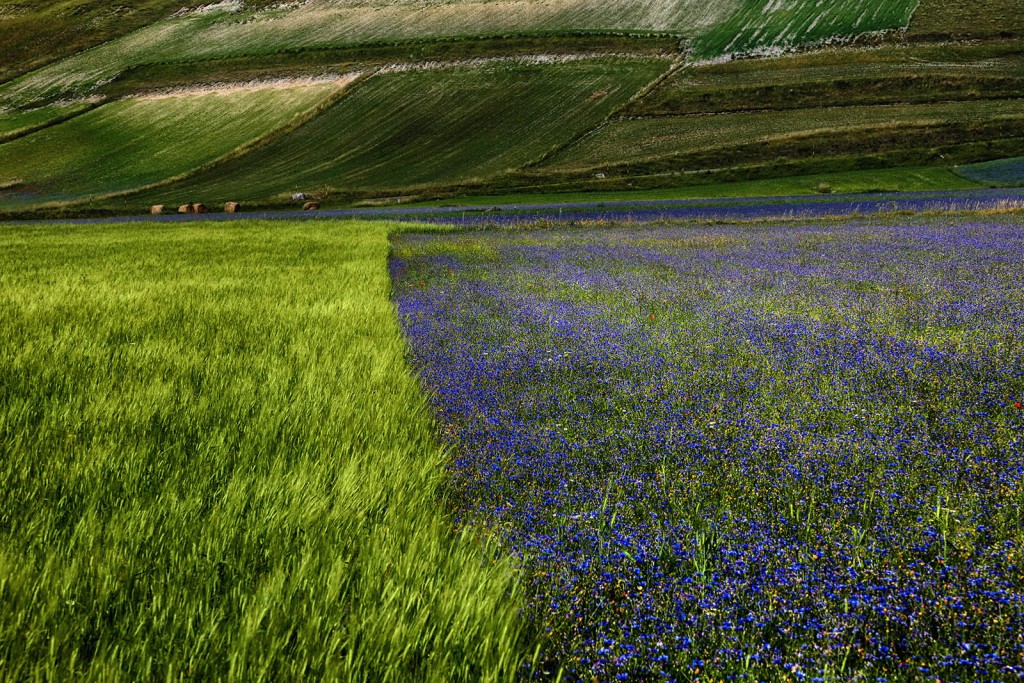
(136, 142)
(1004, 172)
(892, 74)
(217, 465)
(968, 18)
(716, 27)
(633, 140)
(423, 127)
(15, 123)
(772, 25)
(331, 24)
(35, 33)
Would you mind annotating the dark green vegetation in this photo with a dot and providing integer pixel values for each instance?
(768, 26)
(136, 142)
(428, 127)
(959, 19)
(657, 119)
(217, 465)
(34, 32)
(894, 106)
(1004, 172)
(876, 180)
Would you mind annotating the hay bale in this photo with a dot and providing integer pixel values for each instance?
(232, 207)
(199, 208)
(186, 208)
(311, 206)
(156, 209)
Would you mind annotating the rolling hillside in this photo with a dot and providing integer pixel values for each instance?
(231, 29)
(534, 95)
(139, 141)
(409, 129)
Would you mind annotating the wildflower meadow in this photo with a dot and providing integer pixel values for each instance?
(763, 451)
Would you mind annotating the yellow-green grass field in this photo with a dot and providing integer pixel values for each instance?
(425, 127)
(629, 140)
(139, 141)
(218, 465)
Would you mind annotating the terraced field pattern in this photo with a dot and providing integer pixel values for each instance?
(589, 97)
(409, 128)
(138, 141)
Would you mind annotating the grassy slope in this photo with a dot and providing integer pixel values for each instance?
(720, 26)
(773, 24)
(644, 139)
(880, 180)
(968, 19)
(1001, 172)
(131, 143)
(418, 128)
(326, 25)
(41, 31)
(14, 123)
(887, 75)
(218, 466)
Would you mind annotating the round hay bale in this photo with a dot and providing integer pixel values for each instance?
(232, 207)
(311, 206)
(199, 208)
(156, 209)
(186, 208)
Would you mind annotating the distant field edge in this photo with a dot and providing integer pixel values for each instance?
(847, 182)
(997, 173)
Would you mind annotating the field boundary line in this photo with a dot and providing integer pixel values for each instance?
(64, 118)
(300, 120)
(674, 67)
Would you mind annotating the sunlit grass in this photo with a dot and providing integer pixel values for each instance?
(217, 465)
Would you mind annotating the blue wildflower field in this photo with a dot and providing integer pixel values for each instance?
(771, 451)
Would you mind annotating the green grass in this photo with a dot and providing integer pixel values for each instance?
(136, 142)
(878, 180)
(1001, 172)
(761, 25)
(41, 31)
(629, 140)
(15, 123)
(218, 465)
(219, 35)
(968, 19)
(717, 27)
(888, 75)
(420, 128)
(362, 57)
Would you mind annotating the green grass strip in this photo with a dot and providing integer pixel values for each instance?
(136, 142)
(843, 182)
(998, 173)
(218, 465)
